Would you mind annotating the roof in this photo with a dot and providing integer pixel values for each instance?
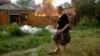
(11, 6)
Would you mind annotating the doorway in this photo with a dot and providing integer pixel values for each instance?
(14, 19)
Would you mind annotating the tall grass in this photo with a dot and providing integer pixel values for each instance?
(12, 39)
(24, 42)
(14, 30)
(86, 22)
(83, 43)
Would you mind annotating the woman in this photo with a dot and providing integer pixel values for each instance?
(62, 36)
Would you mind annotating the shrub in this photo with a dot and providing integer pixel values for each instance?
(88, 23)
(1, 28)
(14, 30)
(4, 34)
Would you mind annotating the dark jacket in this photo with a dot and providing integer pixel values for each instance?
(63, 20)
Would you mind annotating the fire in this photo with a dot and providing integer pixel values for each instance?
(40, 14)
(46, 14)
(46, 9)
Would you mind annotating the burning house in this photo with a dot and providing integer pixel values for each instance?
(11, 13)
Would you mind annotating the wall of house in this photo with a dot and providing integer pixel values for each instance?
(43, 21)
(37, 20)
(31, 18)
(4, 18)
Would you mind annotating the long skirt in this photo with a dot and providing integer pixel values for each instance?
(62, 38)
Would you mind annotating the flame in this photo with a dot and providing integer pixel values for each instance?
(43, 14)
(46, 13)
(46, 9)
(40, 14)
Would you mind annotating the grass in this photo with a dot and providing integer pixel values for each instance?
(9, 44)
(84, 42)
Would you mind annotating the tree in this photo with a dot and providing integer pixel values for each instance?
(31, 4)
(98, 7)
(23, 2)
(90, 9)
(85, 7)
(66, 4)
(98, 11)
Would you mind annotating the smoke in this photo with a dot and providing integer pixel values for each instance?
(46, 7)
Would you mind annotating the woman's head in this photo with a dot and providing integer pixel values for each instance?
(59, 9)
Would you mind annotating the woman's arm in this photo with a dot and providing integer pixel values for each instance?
(66, 26)
(52, 18)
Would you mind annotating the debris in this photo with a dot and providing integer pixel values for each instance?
(29, 29)
(51, 29)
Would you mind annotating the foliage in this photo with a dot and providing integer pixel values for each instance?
(86, 10)
(66, 4)
(89, 9)
(86, 7)
(85, 42)
(86, 22)
(4, 34)
(23, 2)
(10, 44)
(2, 28)
(14, 30)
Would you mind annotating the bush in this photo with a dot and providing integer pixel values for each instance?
(14, 30)
(24, 42)
(4, 34)
(88, 23)
(2, 28)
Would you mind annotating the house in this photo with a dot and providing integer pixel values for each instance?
(11, 13)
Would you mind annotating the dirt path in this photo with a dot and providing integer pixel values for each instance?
(20, 52)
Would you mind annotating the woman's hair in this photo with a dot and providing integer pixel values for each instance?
(60, 7)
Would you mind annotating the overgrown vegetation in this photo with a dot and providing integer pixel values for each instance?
(85, 39)
(84, 42)
(14, 30)
(88, 12)
(85, 22)
(23, 2)
(10, 43)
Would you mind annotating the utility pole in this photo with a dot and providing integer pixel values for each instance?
(9, 12)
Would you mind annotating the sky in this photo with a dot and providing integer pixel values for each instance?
(56, 3)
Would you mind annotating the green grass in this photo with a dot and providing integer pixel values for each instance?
(84, 42)
(9, 44)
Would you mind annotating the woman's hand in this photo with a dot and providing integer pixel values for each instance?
(59, 31)
(52, 18)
